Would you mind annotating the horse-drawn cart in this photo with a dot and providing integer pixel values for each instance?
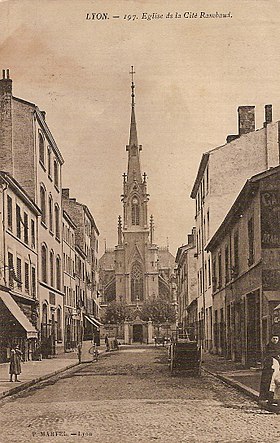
(185, 355)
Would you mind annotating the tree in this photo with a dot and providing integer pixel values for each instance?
(159, 310)
(117, 312)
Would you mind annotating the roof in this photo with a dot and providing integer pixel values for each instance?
(68, 219)
(16, 187)
(205, 157)
(200, 173)
(107, 261)
(239, 204)
(166, 259)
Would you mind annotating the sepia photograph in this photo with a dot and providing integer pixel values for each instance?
(139, 221)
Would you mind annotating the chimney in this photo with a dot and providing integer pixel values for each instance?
(190, 239)
(65, 193)
(268, 115)
(246, 119)
(5, 83)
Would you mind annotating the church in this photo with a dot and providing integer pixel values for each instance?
(137, 268)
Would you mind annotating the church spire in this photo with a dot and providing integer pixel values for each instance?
(134, 169)
(133, 131)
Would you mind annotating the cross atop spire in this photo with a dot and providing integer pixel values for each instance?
(132, 72)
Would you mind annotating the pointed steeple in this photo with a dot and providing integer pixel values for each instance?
(134, 168)
(133, 131)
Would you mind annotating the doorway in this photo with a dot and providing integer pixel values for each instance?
(253, 328)
(138, 333)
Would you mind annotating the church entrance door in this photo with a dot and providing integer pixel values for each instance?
(138, 333)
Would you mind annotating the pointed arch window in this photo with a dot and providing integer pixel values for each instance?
(136, 282)
(135, 211)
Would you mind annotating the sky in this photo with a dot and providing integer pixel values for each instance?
(191, 76)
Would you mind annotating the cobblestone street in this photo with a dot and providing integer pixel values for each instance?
(130, 396)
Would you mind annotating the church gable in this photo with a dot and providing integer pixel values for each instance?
(135, 255)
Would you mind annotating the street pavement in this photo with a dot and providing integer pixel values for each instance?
(37, 371)
(234, 374)
(130, 396)
(246, 380)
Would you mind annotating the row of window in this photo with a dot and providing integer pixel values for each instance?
(203, 235)
(51, 267)
(70, 296)
(80, 268)
(204, 278)
(53, 210)
(52, 167)
(23, 277)
(68, 235)
(68, 264)
(223, 274)
(24, 226)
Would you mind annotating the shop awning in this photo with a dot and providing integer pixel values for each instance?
(18, 314)
(93, 320)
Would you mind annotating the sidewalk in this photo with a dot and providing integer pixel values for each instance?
(36, 371)
(234, 374)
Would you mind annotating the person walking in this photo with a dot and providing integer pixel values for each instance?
(270, 371)
(106, 339)
(15, 363)
(79, 352)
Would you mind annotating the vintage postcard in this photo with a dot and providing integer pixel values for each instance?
(139, 221)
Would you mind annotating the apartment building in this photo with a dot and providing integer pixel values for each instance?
(246, 270)
(222, 173)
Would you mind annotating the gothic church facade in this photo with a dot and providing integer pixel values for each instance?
(136, 269)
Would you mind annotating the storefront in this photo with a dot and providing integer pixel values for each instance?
(15, 329)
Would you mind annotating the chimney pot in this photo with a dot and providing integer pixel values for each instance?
(246, 119)
(5, 83)
(268, 114)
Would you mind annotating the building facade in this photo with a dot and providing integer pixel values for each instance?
(71, 315)
(221, 175)
(19, 305)
(86, 248)
(186, 273)
(30, 154)
(246, 269)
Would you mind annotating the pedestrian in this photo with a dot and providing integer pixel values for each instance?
(270, 372)
(79, 351)
(15, 365)
(106, 339)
